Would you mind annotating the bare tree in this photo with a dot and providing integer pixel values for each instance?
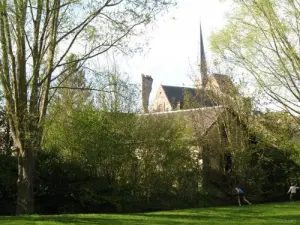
(36, 37)
(262, 37)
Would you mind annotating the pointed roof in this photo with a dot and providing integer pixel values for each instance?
(177, 95)
(203, 65)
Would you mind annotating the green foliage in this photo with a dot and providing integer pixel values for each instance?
(261, 39)
(5, 138)
(66, 187)
(165, 162)
(270, 161)
(270, 171)
(142, 158)
(97, 140)
(115, 162)
(281, 130)
(36, 39)
(116, 93)
(263, 156)
(73, 91)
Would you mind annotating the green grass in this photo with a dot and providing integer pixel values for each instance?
(277, 213)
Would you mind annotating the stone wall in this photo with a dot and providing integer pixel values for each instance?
(161, 102)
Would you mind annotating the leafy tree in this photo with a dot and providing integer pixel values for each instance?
(5, 137)
(262, 38)
(100, 144)
(144, 158)
(73, 88)
(72, 95)
(35, 39)
(281, 130)
(166, 166)
(116, 92)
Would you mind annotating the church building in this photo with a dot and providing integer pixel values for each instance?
(208, 111)
(171, 98)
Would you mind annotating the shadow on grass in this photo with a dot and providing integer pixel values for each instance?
(275, 213)
(95, 219)
(166, 219)
(255, 214)
(70, 220)
(207, 215)
(227, 217)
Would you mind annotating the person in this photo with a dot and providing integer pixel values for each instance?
(292, 191)
(241, 194)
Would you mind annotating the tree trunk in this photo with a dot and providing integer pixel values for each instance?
(26, 167)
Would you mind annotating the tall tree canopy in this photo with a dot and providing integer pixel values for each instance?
(263, 38)
(73, 91)
(36, 36)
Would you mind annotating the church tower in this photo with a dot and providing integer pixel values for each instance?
(146, 90)
(203, 64)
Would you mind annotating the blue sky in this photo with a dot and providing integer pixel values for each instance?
(174, 43)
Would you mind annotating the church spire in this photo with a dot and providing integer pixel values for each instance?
(203, 65)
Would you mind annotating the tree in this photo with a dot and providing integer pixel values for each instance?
(163, 157)
(262, 38)
(5, 137)
(73, 92)
(36, 36)
(117, 92)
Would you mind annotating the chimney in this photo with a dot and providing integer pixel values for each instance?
(146, 90)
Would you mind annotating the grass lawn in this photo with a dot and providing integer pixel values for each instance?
(277, 213)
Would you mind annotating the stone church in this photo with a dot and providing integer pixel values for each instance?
(217, 130)
(173, 98)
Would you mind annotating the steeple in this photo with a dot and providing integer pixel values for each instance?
(203, 65)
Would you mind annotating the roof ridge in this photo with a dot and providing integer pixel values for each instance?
(178, 86)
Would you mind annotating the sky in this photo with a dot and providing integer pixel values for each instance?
(173, 49)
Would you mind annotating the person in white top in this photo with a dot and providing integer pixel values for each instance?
(292, 191)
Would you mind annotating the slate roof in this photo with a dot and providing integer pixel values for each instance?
(177, 95)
